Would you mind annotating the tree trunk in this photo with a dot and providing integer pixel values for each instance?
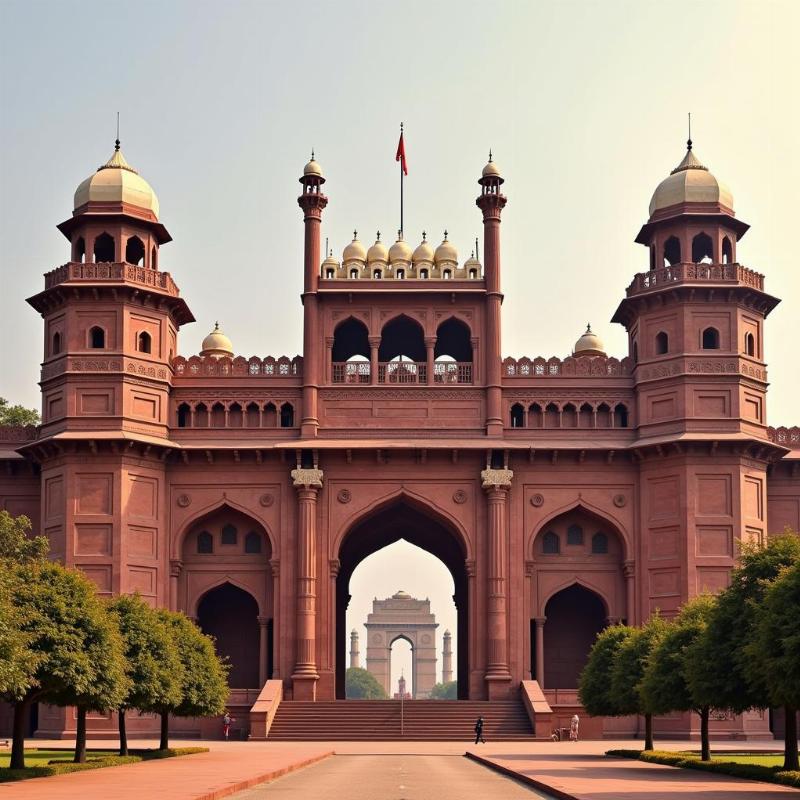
(648, 732)
(123, 733)
(18, 745)
(80, 737)
(790, 759)
(164, 745)
(705, 745)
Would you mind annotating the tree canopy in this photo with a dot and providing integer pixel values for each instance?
(16, 544)
(17, 415)
(594, 690)
(361, 684)
(445, 691)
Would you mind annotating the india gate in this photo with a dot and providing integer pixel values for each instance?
(562, 493)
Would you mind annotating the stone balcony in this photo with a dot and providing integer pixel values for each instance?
(111, 272)
(690, 273)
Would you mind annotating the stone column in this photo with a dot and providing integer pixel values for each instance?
(629, 571)
(496, 483)
(262, 650)
(540, 650)
(277, 649)
(355, 660)
(374, 344)
(430, 344)
(308, 482)
(329, 359)
(175, 569)
(447, 658)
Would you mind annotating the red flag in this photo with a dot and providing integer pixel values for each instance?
(401, 154)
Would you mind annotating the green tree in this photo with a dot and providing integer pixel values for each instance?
(774, 652)
(664, 685)
(153, 666)
(15, 543)
(17, 415)
(445, 691)
(75, 652)
(627, 672)
(15, 654)
(203, 674)
(594, 688)
(361, 684)
(729, 672)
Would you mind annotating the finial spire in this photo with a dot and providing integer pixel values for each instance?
(689, 140)
(490, 155)
(588, 327)
(424, 236)
(216, 326)
(445, 234)
(399, 235)
(355, 235)
(116, 142)
(378, 236)
(476, 247)
(312, 153)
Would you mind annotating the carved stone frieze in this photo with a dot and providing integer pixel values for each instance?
(400, 394)
(307, 478)
(94, 364)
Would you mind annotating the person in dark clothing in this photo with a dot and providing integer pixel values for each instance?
(479, 730)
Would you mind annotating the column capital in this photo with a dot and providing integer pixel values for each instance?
(275, 567)
(335, 565)
(307, 478)
(175, 567)
(628, 568)
(374, 341)
(430, 341)
(470, 567)
(494, 479)
(540, 620)
(263, 621)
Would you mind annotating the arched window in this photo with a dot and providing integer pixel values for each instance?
(473, 273)
(287, 415)
(134, 251)
(453, 339)
(80, 249)
(569, 416)
(205, 542)
(252, 542)
(672, 251)
(662, 343)
(446, 275)
(710, 339)
(104, 247)
(97, 338)
(727, 251)
(218, 415)
(423, 274)
(517, 416)
(586, 416)
(575, 535)
(552, 418)
(229, 534)
(749, 344)
(201, 416)
(402, 336)
(551, 543)
(330, 273)
(154, 258)
(535, 416)
(350, 338)
(270, 418)
(603, 416)
(620, 416)
(252, 416)
(353, 273)
(144, 344)
(184, 415)
(702, 249)
(56, 346)
(400, 274)
(376, 274)
(599, 543)
(235, 416)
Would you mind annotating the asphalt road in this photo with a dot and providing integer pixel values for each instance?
(393, 777)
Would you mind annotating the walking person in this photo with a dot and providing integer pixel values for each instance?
(573, 728)
(226, 724)
(479, 730)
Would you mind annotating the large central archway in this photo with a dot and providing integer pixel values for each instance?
(423, 527)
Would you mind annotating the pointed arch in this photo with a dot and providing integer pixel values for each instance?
(402, 335)
(350, 338)
(575, 580)
(219, 581)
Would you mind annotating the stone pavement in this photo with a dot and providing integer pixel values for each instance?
(576, 770)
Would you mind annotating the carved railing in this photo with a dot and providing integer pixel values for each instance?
(444, 372)
(683, 272)
(790, 437)
(199, 366)
(110, 272)
(402, 372)
(18, 433)
(350, 372)
(580, 366)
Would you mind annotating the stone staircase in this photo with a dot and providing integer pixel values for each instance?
(422, 720)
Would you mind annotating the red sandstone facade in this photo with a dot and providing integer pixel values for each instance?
(561, 493)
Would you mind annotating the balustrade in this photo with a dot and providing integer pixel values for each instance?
(713, 273)
(402, 372)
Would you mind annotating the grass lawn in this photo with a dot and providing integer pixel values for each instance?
(44, 763)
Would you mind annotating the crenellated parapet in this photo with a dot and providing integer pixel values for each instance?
(268, 367)
(788, 437)
(583, 367)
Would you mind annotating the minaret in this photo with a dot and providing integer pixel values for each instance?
(401, 687)
(491, 202)
(447, 658)
(355, 661)
(312, 201)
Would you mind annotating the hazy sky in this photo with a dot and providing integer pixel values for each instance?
(583, 103)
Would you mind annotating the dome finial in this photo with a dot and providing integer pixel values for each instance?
(588, 327)
(312, 154)
(424, 236)
(355, 235)
(216, 326)
(116, 141)
(378, 236)
(689, 140)
(490, 155)
(445, 234)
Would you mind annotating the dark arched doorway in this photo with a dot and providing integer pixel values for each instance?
(403, 519)
(230, 615)
(575, 616)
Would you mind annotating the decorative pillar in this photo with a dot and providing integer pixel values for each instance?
(540, 650)
(175, 569)
(374, 344)
(430, 344)
(312, 201)
(275, 568)
(355, 658)
(629, 571)
(497, 483)
(491, 202)
(447, 658)
(329, 359)
(308, 482)
(263, 622)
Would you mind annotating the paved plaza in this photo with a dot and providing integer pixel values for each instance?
(395, 771)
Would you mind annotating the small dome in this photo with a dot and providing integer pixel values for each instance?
(378, 251)
(217, 344)
(690, 182)
(590, 344)
(491, 169)
(424, 251)
(445, 251)
(117, 183)
(330, 261)
(447, 632)
(472, 262)
(400, 250)
(355, 250)
(401, 595)
(354, 632)
(312, 168)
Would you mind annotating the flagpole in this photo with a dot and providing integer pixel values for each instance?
(401, 185)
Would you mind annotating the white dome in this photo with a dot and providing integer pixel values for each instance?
(378, 251)
(445, 251)
(217, 343)
(590, 344)
(312, 168)
(424, 251)
(354, 251)
(399, 251)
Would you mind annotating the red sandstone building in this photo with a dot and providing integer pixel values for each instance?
(561, 493)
